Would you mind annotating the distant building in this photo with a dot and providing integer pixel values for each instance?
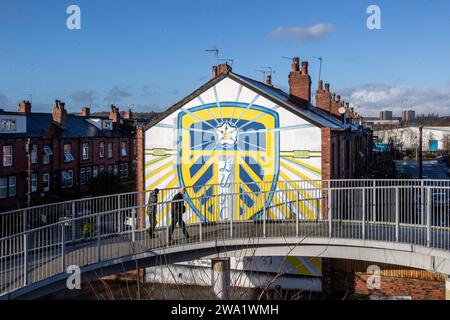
(386, 115)
(408, 116)
(53, 156)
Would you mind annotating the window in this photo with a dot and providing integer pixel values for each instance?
(125, 170)
(82, 176)
(107, 124)
(46, 182)
(47, 154)
(12, 186)
(110, 169)
(88, 174)
(102, 168)
(121, 170)
(134, 165)
(94, 171)
(123, 149)
(34, 182)
(8, 125)
(68, 153)
(110, 150)
(3, 188)
(102, 150)
(67, 179)
(85, 151)
(8, 187)
(7, 156)
(134, 147)
(34, 154)
(116, 169)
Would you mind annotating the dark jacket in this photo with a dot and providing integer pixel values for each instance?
(178, 207)
(152, 199)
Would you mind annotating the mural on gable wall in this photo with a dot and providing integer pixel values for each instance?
(231, 140)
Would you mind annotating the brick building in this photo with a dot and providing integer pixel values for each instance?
(52, 156)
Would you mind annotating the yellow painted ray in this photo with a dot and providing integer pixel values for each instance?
(149, 163)
(155, 172)
(299, 266)
(164, 177)
(305, 165)
(301, 175)
(307, 212)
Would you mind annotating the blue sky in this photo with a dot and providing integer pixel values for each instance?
(152, 53)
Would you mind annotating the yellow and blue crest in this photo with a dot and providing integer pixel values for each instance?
(228, 148)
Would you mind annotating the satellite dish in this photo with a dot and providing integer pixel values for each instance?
(342, 110)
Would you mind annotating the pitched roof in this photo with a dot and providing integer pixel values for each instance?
(278, 96)
(77, 127)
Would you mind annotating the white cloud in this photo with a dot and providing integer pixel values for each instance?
(372, 98)
(303, 34)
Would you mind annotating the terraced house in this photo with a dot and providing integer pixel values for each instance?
(52, 156)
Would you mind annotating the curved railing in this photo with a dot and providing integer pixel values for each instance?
(93, 230)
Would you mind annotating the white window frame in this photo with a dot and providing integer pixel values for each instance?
(3, 187)
(34, 182)
(94, 172)
(116, 169)
(101, 150)
(47, 154)
(34, 153)
(125, 169)
(8, 125)
(68, 157)
(67, 176)
(123, 149)
(46, 181)
(7, 156)
(110, 150)
(88, 174)
(12, 186)
(85, 150)
(82, 176)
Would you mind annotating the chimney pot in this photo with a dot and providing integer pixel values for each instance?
(269, 80)
(305, 67)
(327, 87)
(296, 64)
(25, 106)
(320, 86)
(85, 112)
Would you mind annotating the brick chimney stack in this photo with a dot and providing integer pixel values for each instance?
(300, 82)
(269, 80)
(222, 68)
(128, 114)
(59, 114)
(25, 106)
(335, 105)
(114, 114)
(323, 97)
(85, 112)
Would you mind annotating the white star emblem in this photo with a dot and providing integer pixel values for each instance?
(227, 134)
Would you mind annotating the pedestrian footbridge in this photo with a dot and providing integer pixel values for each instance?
(401, 222)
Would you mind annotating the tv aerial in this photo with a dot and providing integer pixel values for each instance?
(269, 70)
(230, 61)
(320, 66)
(216, 53)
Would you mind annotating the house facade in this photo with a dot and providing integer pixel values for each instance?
(50, 157)
(236, 134)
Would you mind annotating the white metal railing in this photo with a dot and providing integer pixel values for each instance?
(93, 230)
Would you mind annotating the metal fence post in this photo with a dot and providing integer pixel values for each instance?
(98, 239)
(25, 259)
(200, 225)
(264, 221)
(330, 218)
(429, 203)
(422, 198)
(397, 215)
(374, 202)
(63, 249)
(297, 215)
(363, 214)
(74, 222)
(133, 225)
(119, 215)
(231, 217)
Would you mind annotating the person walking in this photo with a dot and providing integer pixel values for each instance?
(177, 210)
(152, 211)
